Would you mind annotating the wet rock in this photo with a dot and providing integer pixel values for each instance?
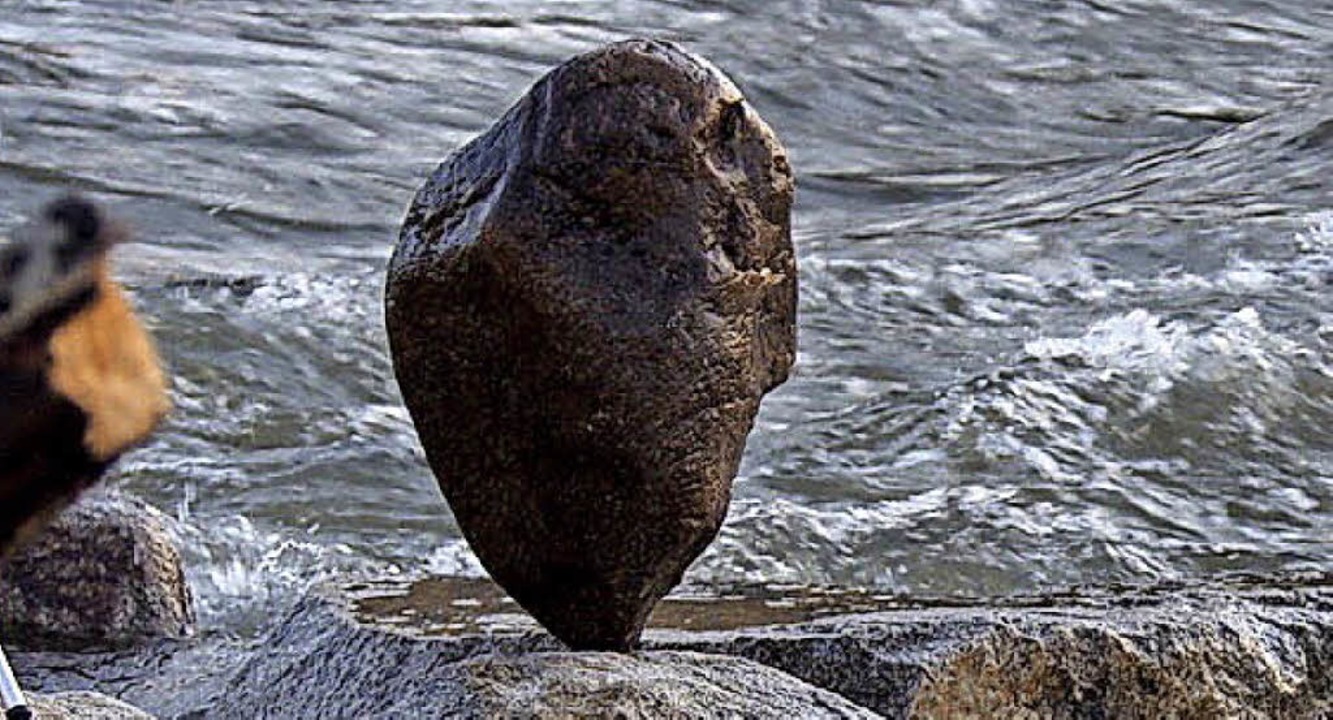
(585, 307)
(1243, 648)
(323, 663)
(645, 685)
(83, 706)
(106, 573)
(178, 679)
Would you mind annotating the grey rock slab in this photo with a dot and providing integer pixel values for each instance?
(179, 679)
(585, 306)
(1240, 648)
(1243, 649)
(642, 685)
(82, 706)
(323, 663)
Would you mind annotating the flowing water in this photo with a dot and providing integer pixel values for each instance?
(1064, 311)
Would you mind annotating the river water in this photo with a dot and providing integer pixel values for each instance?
(1064, 311)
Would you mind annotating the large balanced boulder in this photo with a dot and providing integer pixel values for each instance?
(585, 307)
(106, 574)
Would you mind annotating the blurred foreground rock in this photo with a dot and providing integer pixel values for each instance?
(1240, 649)
(585, 307)
(83, 706)
(107, 573)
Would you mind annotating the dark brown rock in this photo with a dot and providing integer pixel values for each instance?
(585, 307)
(106, 574)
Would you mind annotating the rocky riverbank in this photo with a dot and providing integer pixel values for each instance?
(1242, 648)
(605, 455)
(451, 647)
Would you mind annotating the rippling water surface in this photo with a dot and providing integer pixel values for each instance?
(1064, 273)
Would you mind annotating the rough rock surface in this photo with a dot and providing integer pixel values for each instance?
(585, 307)
(322, 663)
(1245, 648)
(1237, 649)
(83, 706)
(106, 573)
(659, 684)
(178, 679)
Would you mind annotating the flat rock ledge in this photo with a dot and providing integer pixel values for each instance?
(324, 663)
(106, 574)
(1242, 648)
(1225, 651)
(83, 706)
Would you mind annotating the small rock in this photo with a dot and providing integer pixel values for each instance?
(106, 573)
(83, 706)
(585, 307)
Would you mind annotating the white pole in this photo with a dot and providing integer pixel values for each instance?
(11, 695)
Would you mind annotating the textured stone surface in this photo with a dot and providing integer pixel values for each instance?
(1246, 648)
(585, 307)
(646, 685)
(323, 663)
(106, 573)
(179, 679)
(83, 706)
(1241, 649)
